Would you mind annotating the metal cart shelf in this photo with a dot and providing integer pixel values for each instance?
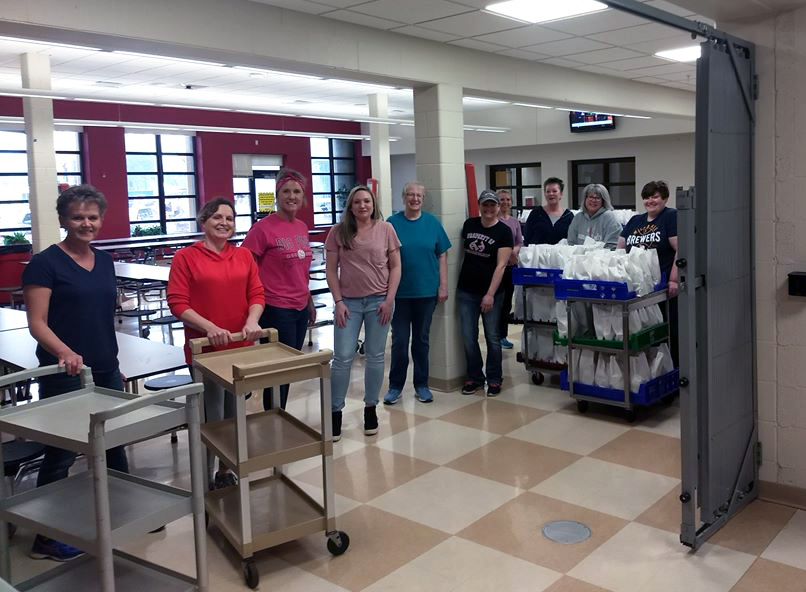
(624, 352)
(266, 508)
(106, 508)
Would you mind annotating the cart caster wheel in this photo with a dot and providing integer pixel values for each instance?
(630, 415)
(537, 378)
(145, 333)
(582, 406)
(174, 438)
(338, 544)
(669, 399)
(250, 574)
(12, 529)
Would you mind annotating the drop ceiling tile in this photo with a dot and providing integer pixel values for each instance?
(298, 5)
(471, 24)
(605, 55)
(630, 35)
(597, 22)
(523, 55)
(684, 77)
(477, 4)
(426, 33)
(411, 11)
(649, 80)
(567, 46)
(635, 63)
(523, 36)
(656, 45)
(475, 44)
(362, 19)
(561, 62)
(342, 3)
(669, 7)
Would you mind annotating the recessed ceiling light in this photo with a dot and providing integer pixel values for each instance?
(541, 11)
(481, 100)
(67, 45)
(681, 54)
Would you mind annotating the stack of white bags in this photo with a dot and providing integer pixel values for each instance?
(605, 370)
(541, 346)
(639, 268)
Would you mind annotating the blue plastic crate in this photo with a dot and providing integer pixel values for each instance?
(649, 392)
(596, 289)
(533, 276)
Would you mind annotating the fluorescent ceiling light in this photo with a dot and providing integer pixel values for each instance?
(637, 116)
(489, 131)
(276, 72)
(68, 45)
(481, 100)
(681, 54)
(532, 106)
(406, 124)
(541, 11)
(167, 58)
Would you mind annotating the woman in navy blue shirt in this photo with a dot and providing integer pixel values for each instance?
(70, 295)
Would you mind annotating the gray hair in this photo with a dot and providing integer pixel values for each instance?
(598, 190)
(80, 194)
(412, 184)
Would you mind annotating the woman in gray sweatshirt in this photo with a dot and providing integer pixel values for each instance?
(595, 219)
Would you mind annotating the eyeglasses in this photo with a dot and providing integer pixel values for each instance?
(412, 194)
(594, 197)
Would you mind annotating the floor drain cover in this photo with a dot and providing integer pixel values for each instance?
(566, 532)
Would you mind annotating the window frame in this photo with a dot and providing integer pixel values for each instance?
(576, 186)
(517, 189)
(160, 173)
(334, 211)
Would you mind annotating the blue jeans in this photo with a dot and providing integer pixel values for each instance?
(412, 318)
(291, 326)
(362, 311)
(469, 306)
(57, 461)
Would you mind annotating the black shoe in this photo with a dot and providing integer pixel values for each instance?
(336, 415)
(370, 421)
(471, 387)
(493, 389)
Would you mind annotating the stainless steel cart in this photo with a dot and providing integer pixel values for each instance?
(266, 508)
(100, 509)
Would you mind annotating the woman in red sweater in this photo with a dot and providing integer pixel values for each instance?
(215, 290)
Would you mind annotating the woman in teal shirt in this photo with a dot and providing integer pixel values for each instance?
(423, 283)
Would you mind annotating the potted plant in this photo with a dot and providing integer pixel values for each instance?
(15, 250)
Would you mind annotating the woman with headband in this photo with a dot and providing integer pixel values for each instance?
(279, 243)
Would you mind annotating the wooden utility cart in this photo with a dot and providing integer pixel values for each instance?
(266, 508)
(100, 509)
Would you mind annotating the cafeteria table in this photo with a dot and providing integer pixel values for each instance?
(11, 318)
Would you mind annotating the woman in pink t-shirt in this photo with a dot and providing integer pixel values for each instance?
(363, 273)
(279, 243)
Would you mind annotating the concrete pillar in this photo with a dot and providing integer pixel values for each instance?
(440, 157)
(42, 181)
(379, 150)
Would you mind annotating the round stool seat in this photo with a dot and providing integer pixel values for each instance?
(167, 381)
(17, 452)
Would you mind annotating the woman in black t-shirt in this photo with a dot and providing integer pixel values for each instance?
(70, 296)
(487, 245)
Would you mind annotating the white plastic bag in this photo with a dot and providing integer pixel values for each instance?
(517, 301)
(561, 314)
(639, 371)
(586, 366)
(545, 345)
(560, 354)
(655, 315)
(635, 322)
(602, 324)
(661, 361)
(602, 375)
(616, 373)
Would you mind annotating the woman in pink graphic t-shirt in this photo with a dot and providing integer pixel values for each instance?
(279, 243)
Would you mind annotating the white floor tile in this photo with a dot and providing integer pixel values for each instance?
(607, 487)
(459, 564)
(446, 499)
(436, 441)
(641, 558)
(443, 403)
(539, 397)
(572, 433)
(788, 547)
(661, 420)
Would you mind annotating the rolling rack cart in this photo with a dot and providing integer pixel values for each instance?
(617, 294)
(266, 508)
(100, 509)
(536, 279)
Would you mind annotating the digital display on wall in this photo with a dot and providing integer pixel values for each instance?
(586, 121)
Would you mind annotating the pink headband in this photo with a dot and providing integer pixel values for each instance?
(288, 178)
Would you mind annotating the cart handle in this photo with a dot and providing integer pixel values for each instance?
(30, 374)
(145, 401)
(241, 371)
(197, 344)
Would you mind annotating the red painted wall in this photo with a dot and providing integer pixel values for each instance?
(105, 158)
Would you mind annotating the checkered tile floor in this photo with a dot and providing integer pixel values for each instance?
(453, 495)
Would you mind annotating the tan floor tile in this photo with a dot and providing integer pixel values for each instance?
(380, 543)
(665, 513)
(494, 416)
(514, 462)
(367, 473)
(643, 450)
(569, 584)
(771, 576)
(390, 422)
(754, 528)
(515, 528)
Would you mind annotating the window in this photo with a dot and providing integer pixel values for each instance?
(332, 178)
(521, 180)
(242, 193)
(617, 174)
(161, 175)
(15, 211)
